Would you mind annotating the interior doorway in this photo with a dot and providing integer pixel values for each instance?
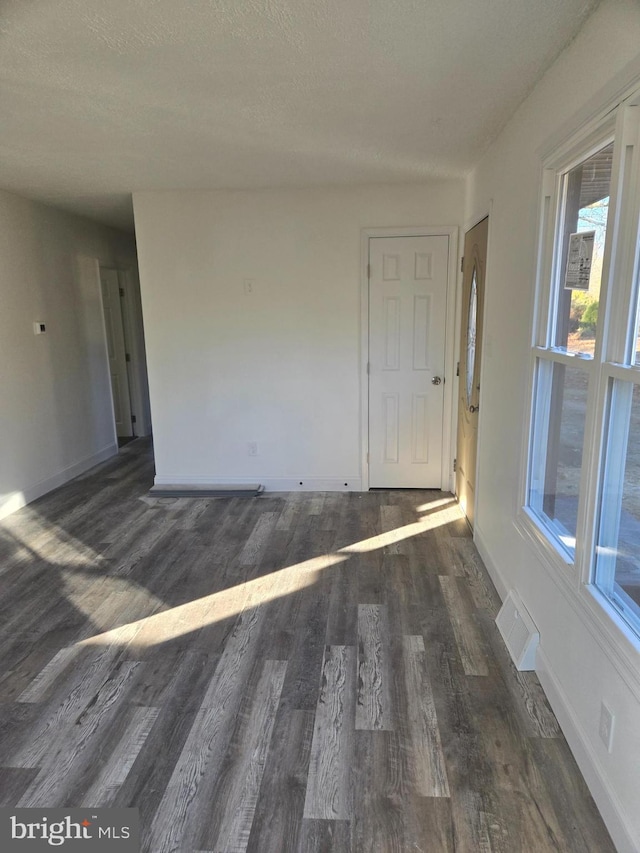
(118, 353)
(473, 287)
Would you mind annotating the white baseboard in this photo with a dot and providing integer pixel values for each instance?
(17, 499)
(590, 767)
(501, 585)
(271, 484)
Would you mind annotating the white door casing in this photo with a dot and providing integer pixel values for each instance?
(408, 278)
(114, 332)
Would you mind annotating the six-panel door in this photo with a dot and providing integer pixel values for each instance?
(407, 319)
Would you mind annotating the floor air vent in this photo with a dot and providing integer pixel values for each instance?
(210, 490)
(518, 632)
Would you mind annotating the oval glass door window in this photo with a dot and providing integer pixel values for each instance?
(471, 335)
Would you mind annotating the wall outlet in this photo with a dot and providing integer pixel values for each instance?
(248, 285)
(252, 448)
(607, 721)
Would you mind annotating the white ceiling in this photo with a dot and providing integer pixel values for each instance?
(99, 98)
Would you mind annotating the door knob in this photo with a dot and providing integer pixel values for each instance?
(436, 380)
(473, 409)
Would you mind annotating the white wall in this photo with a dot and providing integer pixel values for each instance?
(578, 664)
(55, 411)
(279, 366)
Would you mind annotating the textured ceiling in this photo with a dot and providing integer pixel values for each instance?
(99, 98)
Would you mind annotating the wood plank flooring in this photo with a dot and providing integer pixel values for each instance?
(292, 673)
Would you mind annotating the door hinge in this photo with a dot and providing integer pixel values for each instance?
(455, 465)
(462, 264)
(121, 289)
(367, 457)
(133, 419)
(458, 369)
(127, 357)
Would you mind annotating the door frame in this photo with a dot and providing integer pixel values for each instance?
(127, 420)
(134, 342)
(452, 232)
(134, 335)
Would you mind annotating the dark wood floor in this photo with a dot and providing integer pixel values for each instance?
(300, 672)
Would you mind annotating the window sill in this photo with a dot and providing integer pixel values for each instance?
(554, 556)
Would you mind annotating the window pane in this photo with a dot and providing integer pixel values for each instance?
(471, 336)
(635, 355)
(618, 549)
(558, 439)
(583, 233)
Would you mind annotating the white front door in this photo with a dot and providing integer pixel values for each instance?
(114, 330)
(407, 320)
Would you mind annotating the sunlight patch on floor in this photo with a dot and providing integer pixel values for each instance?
(391, 537)
(228, 603)
(35, 536)
(429, 506)
(11, 502)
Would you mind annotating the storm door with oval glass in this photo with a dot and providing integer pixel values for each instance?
(475, 261)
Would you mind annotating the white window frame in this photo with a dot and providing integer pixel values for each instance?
(576, 575)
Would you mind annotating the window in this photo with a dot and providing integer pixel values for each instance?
(471, 336)
(564, 364)
(618, 543)
(583, 473)
(561, 403)
(585, 208)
